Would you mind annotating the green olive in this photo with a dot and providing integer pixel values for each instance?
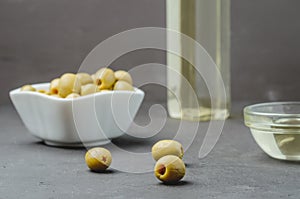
(68, 84)
(167, 147)
(169, 169)
(89, 89)
(54, 86)
(106, 89)
(27, 88)
(55, 95)
(84, 78)
(98, 159)
(105, 78)
(123, 75)
(122, 85)
(93, 76)
(42, 91)
(73, 95)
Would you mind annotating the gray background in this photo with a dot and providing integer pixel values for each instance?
(40, 40)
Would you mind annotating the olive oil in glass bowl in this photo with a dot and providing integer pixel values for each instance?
(275, 127)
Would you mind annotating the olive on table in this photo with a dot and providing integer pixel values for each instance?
(98, 159)
(169, 169)
(167, 147)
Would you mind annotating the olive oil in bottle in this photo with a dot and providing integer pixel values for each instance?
(208, 23)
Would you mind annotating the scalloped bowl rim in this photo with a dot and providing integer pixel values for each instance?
(46, 84)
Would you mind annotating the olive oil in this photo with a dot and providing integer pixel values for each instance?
(281, 140)
(208, 23)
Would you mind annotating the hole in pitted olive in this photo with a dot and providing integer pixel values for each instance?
(161, 169)
(55, 91)
(98, 82)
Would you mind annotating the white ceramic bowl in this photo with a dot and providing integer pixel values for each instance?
(90, 120)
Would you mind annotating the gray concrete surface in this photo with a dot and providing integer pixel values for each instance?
(235, 169)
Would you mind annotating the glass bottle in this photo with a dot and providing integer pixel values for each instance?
(208, 23)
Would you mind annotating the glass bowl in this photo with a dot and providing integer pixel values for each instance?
(275, 127)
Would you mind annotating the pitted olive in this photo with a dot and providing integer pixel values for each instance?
(167, 147)
(124, 76)
(84, 78)
(169, 169)
(68, 84)
(98, 159)
(105, 78)
(73, 95)
(122, 85)
(54, 86)
(27, 88)
(89, 89)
